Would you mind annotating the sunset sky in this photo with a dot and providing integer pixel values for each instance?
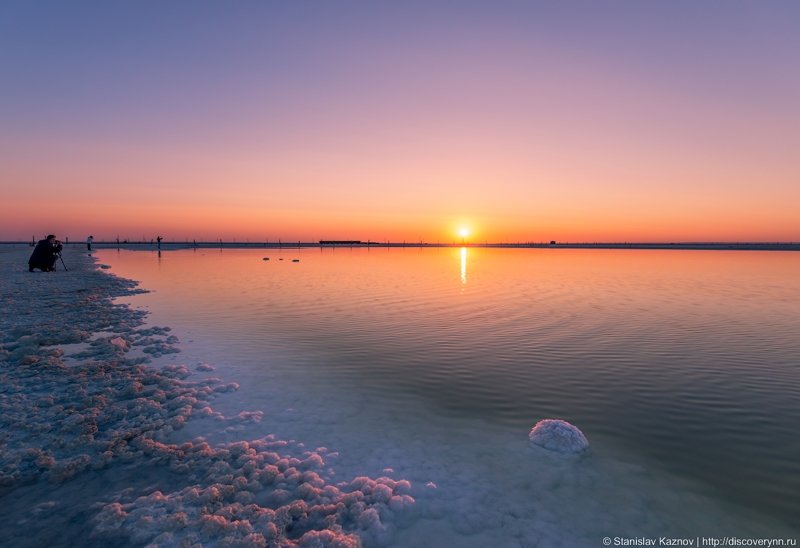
(524, 121)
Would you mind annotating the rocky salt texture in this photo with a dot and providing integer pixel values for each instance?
(102, 409)
(559, 436)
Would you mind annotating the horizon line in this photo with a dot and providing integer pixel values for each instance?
(333, 244)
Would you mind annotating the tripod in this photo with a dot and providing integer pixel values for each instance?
(62, 262)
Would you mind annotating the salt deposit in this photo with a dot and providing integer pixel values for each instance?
(67, 416)
(559, 436)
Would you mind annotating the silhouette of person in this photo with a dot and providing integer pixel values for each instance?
(44, 254)
(159, 241)
(89, 241)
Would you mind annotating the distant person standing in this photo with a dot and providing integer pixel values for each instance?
(44, 254)
(89, 241)
(159, 241)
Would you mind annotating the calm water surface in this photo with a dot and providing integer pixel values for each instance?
(685, 361)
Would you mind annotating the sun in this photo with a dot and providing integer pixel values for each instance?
(463, 232)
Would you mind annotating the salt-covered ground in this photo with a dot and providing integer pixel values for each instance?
(108, 439)
(87, 422)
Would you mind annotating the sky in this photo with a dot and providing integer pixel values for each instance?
(521, 121)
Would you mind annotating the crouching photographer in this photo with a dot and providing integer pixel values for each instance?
(45, 254)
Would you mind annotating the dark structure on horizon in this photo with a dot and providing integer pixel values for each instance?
(340, 242)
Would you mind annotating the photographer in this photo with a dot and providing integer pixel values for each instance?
(45, 254)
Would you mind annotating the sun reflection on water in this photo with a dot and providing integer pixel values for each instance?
(464, 265)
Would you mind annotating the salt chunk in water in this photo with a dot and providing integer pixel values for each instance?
(558, 435)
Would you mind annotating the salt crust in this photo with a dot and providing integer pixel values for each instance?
(102, 409)
(559, 436)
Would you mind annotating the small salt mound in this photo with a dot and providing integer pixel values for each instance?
(120, 343)
(560, 436)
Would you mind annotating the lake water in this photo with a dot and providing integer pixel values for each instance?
(681, 367)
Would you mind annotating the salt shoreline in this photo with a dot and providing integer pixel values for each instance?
(101, 392)
(87, 420)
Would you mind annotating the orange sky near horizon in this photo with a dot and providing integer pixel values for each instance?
(527, 123)
(202, 199)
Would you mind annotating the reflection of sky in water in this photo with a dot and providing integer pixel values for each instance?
(683, 361)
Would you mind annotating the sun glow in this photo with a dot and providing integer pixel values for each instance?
(463, 232)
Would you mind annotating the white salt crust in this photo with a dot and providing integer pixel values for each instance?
(559, 436)
(63, 416)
